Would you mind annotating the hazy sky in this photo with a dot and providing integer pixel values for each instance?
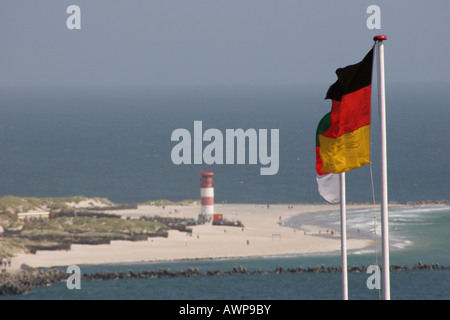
(217, 42)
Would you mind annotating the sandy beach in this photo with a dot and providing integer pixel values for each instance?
(263, 235)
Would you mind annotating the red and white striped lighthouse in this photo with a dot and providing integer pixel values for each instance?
(207, 191)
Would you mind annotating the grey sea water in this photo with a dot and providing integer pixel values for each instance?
(115, 143)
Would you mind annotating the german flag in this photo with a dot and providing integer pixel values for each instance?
(343, 135)
(328, 183)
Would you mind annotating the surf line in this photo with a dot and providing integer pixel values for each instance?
(213, 153)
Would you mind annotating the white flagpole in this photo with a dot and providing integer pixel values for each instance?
(343, 237)
(384, 195)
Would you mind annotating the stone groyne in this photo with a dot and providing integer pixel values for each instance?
(22, 281)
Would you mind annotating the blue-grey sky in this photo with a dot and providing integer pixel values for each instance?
(221, 42)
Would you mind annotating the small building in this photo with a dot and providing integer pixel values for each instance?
(217, 218)
(33, 216)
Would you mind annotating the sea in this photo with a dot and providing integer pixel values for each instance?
(116, 143)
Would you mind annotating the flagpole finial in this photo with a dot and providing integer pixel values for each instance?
(380, 38)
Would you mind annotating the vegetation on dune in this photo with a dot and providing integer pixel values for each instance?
(164, 202)
(75, 225)
(9, 247)
(60, 233)
(13, 204)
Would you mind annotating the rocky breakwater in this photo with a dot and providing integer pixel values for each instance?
(21, 282)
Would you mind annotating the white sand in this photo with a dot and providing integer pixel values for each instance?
(262, 230)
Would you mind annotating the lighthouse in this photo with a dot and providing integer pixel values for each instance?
(207, 191)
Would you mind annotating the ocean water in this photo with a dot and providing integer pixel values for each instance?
(115, 143)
